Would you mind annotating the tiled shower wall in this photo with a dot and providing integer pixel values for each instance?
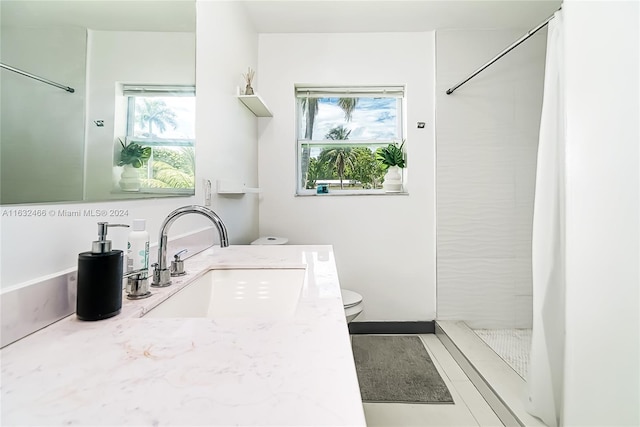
(486, 148)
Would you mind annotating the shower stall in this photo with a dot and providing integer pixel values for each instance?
(569, 272)
(486, 157)
(487, 140)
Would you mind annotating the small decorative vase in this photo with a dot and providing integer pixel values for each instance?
(130, 179)
(392, 180)
(248, 90)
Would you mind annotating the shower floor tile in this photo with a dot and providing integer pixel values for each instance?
(497, 381)
(512, 345)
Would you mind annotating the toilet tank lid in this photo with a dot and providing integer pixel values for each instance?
(350, 298)
(270, 240)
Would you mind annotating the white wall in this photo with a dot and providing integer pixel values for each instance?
(602, 372)
(149, 58)
(225, 129)
(487, 139)
(384, 245)
(37, 246)
(33, 247)
(42, 126)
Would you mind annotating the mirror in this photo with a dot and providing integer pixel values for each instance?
(127, 62)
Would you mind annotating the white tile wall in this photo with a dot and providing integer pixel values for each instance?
(486, 139)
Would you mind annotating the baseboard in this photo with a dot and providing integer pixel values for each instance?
(414, 327)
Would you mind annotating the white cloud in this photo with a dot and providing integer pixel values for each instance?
(372, 119)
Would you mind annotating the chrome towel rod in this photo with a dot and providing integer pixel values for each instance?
(49, 82)
(503, 53)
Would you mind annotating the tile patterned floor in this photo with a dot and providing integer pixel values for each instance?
(469, 408)
(512, 345)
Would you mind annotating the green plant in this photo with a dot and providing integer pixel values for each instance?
(391, 155)
(133, 154)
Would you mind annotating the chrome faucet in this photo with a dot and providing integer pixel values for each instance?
(162, 274)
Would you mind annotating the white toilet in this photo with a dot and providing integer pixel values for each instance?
(352, 301)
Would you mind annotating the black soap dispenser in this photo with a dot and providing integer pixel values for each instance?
(100, 278)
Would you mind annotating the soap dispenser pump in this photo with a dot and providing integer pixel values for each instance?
(100, 273)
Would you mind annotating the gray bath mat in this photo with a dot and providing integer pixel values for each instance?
(397, 369)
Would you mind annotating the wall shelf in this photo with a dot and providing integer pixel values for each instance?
(256, 105)
(234, 187)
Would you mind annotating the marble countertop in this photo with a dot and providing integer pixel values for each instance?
(132, 370)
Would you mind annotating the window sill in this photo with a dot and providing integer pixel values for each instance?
(158, 191)
(353, 193)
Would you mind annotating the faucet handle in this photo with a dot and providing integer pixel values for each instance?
(177, 265)
(142, 273)
(138, 284)
(177, 255)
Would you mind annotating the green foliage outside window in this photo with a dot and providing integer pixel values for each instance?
(366, 169)
(172, 168)
(357, 165)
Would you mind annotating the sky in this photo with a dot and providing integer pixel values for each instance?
(372, 119)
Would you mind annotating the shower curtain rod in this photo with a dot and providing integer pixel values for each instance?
(49, 82)
(503, 53)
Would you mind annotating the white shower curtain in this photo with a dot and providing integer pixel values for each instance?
(544, 379)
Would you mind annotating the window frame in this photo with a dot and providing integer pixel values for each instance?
(324, 91)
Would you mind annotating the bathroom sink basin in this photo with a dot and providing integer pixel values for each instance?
(248, 293)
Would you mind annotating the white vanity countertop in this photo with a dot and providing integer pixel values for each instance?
(129, 370)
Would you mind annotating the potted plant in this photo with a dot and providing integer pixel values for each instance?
(132, 157)
(392, 159)
(133, 154)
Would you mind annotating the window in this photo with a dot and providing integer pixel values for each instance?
(338, 132)
(163, 118)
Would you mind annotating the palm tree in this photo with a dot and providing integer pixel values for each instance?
(347, 105)
(155, 112)
(338, 133)
(310, 110)
(338, 156)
